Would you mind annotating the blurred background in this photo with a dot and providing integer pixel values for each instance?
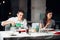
(34, 9)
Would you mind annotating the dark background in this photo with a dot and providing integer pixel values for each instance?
(54, 5)
(12, 6)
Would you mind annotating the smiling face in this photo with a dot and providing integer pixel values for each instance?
(20, 15)
(49, 15)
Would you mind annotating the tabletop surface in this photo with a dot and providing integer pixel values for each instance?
(7, 34)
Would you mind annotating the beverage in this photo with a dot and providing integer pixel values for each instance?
(22, 30)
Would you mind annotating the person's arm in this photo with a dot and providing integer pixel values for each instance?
(5, 23)
(9, 21)
(42, 24)
(53, 24)
(46, 25)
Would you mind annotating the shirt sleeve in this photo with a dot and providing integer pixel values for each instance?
(10, 19)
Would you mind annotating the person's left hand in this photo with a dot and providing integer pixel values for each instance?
(13, 23)
(44, 28)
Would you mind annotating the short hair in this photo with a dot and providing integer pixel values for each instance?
(21, 11)
(48, 11)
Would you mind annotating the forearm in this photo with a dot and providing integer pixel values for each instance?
(46, 26)
(5, 23)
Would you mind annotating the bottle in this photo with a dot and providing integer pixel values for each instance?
(37, 28)
(12, 28)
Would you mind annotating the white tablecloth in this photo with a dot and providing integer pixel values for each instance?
(7, 34)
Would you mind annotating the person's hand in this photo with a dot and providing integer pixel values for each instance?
(46, 25)
(13, 23)
(44, 28)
